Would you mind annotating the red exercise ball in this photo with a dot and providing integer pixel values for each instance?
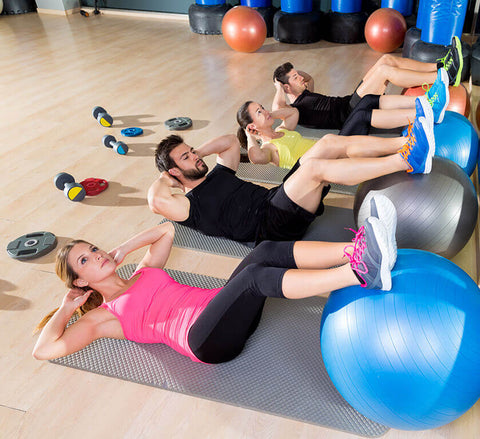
(459, 97)
(244, 29)
(385, 30)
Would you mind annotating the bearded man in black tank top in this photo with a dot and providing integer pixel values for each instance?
(221, 204)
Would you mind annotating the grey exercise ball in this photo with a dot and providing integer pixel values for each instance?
(437, 212)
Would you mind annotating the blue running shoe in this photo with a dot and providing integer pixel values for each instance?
(420, 148)
(438, 96)
(423, 109)
(369, 255)
(407, 130)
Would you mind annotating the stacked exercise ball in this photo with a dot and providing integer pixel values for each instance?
(436, 212)
(408, 358)
(456, 139)
(244, 29)
(385, 30)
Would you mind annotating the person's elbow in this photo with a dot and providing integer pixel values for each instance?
(257, 157)
(232, 141)
(41, 354)
(156, 203)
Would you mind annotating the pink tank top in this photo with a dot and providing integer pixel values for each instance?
(157, 309)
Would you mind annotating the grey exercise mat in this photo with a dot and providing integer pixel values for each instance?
(274, 175)
(279, 372)
(333, 225)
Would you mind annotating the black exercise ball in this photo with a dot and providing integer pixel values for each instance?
(436, 212)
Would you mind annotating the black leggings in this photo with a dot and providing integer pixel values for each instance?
(221, 331)
(359, 120)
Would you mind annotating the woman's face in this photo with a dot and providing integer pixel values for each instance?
(90, 263)
(261, 118)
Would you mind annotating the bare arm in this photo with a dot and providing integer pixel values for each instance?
(257, 154)
(159, 240)
(309, 83)
(280, 98)
(288, 115)
(227, 148)
(56, 341)
(163, 201)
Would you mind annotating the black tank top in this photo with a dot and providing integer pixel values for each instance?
(320, 111)
(224, 205)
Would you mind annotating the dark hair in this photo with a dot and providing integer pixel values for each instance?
(163, 161)
(281, 72)
(243, 119)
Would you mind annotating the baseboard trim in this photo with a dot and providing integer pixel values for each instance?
(139, 14)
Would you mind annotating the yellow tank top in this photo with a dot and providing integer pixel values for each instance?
(291, 146)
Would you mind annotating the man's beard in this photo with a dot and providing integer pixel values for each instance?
(196, 174)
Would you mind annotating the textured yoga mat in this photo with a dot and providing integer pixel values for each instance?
(279, 372)
(333, 225)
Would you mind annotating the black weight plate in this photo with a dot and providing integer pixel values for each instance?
(62, 179)
(107, 139)
(178, 123)
(97, 110)
(32, 245)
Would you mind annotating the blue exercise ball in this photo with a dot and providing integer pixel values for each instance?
(457, 140)
(408, 358)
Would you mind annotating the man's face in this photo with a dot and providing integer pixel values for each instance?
(190, 165)
(296, 82)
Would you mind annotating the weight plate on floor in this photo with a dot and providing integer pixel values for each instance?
(94, 186)
(131, 132)
(178, 123)
(32, 245)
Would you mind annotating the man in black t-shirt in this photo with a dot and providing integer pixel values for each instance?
(355, 114)
(221, 204)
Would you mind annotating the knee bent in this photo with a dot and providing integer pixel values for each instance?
(266, 248)
(315, 168)
(388, 59)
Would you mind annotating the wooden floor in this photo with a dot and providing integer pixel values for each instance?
(53, 71)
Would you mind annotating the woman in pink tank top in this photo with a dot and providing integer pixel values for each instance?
(207, 325)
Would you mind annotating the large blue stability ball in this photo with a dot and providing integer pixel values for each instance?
(436, 212)
(408, 358)
(457, 140)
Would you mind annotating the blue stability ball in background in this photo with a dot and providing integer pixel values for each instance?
(408, 358)
(457, 140)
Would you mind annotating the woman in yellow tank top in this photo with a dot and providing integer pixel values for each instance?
(283, 147)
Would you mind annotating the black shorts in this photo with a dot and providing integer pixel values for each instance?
(283, 219)
(359, 120)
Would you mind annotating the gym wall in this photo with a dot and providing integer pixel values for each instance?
(174, 6)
